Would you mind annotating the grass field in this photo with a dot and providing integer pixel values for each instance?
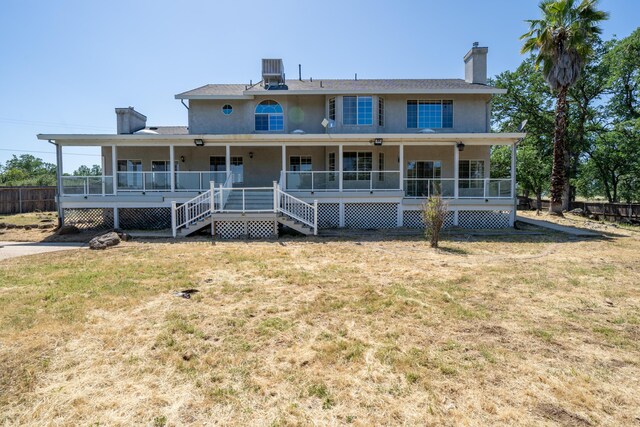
(523, 329)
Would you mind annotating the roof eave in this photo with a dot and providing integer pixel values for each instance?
(249, 94)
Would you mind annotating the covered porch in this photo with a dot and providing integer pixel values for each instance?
(452, 170)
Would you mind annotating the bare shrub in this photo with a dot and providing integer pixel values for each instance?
(434, 212)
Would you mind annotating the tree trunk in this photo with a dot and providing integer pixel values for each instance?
(566, 190)
(559, 142)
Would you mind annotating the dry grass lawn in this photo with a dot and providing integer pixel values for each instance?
(524, 329)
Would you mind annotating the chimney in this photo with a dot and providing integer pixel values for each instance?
(129, 120)
(475, 65)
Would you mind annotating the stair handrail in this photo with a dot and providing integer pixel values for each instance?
(295, 208)
(193, 210)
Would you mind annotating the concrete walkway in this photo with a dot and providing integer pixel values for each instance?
(16, 249)
(579, 232)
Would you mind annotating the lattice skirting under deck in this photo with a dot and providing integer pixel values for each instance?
(144, 218)
(242, 229)
(414, 219)
(371, 215)
(94, 218)
(483, 219)
(328, 215)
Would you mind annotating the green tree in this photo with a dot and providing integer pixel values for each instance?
(623, 62)
(528, 98)
(27, 170)
(562, 39)
(83, 170)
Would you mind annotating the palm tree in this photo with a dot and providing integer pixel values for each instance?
(563, 39)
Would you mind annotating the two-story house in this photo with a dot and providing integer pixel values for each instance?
(305, 153)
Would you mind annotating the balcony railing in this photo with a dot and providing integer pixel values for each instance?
(351, 180)
(87, 185)
(307, 181)
(427, 187)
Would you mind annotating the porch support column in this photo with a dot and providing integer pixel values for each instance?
(172, 168)
(456, 171)
(340, 169)
(59, 184)
(114, 168)
(284, 167)
(401, 164)
(227, 160)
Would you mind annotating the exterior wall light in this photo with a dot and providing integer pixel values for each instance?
(378, 141)
(182, 159)
(251, 154)
(460, 146)
(198, 142)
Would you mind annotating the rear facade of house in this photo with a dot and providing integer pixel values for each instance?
(308, 154)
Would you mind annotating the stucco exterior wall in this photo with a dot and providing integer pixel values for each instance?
(470, 114)
(264, 166)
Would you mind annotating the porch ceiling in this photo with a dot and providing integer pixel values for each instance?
(284, 139)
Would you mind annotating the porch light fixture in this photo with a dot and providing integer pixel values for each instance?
(198, 142)
(377, 141)
(251, 154)
(182, 159)
(460, 146)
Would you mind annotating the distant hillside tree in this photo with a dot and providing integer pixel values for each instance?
(27, 170)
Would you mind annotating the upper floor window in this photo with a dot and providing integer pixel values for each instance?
(269, 116)
(227, 109)
(332, 108)
(429, 114)
(380, 111)
(357, 110)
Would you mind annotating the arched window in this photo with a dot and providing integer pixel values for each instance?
(269, 116)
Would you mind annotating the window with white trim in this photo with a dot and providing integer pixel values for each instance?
(357, 110)
(357, 165)
(471, 173)
(300, 163)
(269, 116)
(332, 109)
(433, 114)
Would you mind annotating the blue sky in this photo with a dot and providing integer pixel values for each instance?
(65, 65)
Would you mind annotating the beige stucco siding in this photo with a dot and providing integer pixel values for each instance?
(470, 114)
(262, 165)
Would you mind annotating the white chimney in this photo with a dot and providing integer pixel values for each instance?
(129, 120)
(475, 65)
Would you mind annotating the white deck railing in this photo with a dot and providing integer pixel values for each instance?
(297, 209)
(485, 188)
(351, 180)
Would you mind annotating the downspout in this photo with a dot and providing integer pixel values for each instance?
(58, 182)
(185, 105)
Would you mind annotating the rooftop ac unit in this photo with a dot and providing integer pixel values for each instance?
(272, 71)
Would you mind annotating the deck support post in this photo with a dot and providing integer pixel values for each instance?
(455, 218)
(116, 218)
(114, 168)
(172, 168)
(340, 169)
(456, 171)
(174, 206)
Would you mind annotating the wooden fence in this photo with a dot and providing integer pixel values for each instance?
(608, 211)
(14, 200)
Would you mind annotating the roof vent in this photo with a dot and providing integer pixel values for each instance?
(272, 72)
